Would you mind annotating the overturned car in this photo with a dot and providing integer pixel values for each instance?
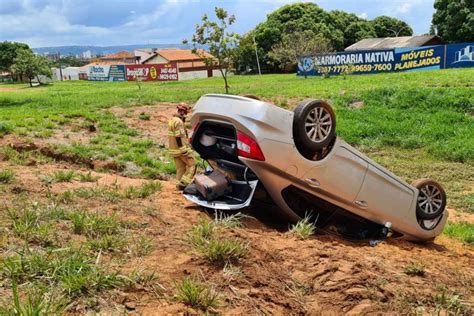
(306, 168)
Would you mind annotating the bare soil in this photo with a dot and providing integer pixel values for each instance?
(280, 274)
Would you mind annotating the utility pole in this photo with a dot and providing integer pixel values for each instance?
(60, 68)
(256, 54)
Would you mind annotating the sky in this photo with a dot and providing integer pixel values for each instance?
(121, 22)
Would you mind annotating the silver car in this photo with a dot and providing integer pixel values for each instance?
(306, 169)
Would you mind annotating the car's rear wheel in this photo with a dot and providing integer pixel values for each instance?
(314, 126)
(431, 200)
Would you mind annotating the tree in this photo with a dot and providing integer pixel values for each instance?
(358, 30)
(299, 44)
(30, 66)
(385, 26)
(8, 53)
(453, 20)
(219, 41)
(342, 29)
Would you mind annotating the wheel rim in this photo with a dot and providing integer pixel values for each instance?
(318, 124)
(430, 199)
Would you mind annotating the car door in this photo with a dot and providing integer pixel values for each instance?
(385, 196)
(340, 176)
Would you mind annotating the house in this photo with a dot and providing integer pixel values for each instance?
(190, 65)
(395, 42)
(119, 58)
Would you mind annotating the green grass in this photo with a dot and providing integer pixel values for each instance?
(71, 270)
(143, 191)
(303, 229)
(194, 293)
(88, 177)
(415, 268)
(462, 231)
(6, 176)
(94, 225)
(62, 176)
(206, 241)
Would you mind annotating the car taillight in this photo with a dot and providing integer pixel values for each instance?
(248, 147)
(193, 131)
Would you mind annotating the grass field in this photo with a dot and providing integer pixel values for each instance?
(418, 124)
(84, 239)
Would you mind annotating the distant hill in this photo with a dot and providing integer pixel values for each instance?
(100, 50)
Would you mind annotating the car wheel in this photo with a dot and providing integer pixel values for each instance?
(314, 126)
(431, 199)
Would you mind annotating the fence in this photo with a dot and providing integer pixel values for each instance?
(389, 60)
(155, 72)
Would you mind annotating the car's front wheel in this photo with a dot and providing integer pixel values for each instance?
(431, 200)
(314, 126)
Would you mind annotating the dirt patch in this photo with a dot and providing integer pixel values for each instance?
(150, 120)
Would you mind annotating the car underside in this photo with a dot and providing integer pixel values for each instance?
(257, 146)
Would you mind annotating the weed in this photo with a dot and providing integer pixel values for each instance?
(94, 225)
(5, 129)
(232, 272)
(144, 116)
(143, 277)
(448, 300)
(107, 243)
(463, 231)
(217, 250)
(299, 289)
(194, 293)
(222, 251)
(229, 221)
(31, 225)
(201, 233)
(36, 303)
(6, 176)
(142, 191)
(65, 197)
(60, 176)
(141, 246)
(304, 228)
(88, 177)
(152, 212)
(108, 193)
(416, 268)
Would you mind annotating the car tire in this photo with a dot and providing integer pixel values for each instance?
(314, 126)
(431, 199)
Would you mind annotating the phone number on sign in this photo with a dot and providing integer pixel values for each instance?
(168, 77)
(355, 68)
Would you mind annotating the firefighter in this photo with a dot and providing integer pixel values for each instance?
(179, 147)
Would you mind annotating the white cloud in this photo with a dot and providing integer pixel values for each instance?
(363, 15)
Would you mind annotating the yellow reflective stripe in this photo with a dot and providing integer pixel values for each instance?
(181, 150)
(186, 180)
(173, 133)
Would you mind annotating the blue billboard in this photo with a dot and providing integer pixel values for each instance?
(388, 60)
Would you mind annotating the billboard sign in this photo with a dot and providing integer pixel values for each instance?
(152, 72)
(98, 73)
(460, 55)
(117, 73)
(388, 60)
